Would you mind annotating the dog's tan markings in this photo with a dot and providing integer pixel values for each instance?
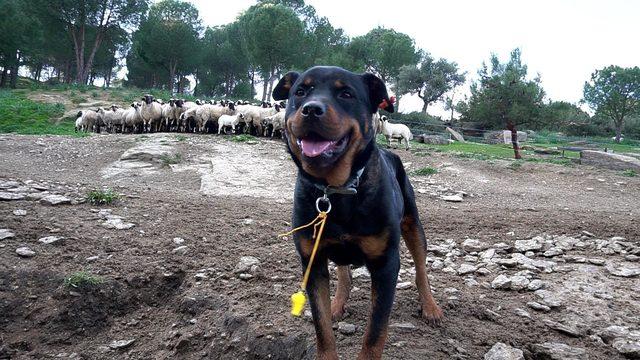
(343, 289)
(339, 84)
(373, 350)
(416, 243)
(308, 80)
(339, 174)
(325, 341)
(374, 246)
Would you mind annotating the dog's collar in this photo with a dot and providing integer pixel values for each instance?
(350, 188)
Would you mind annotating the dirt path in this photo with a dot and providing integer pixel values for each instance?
(174, 280)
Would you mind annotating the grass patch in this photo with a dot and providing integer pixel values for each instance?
(81, 279)
(171, 159)
(243, 138)
(515, 165)
(181, 138)
(23, 116)
(425, 171)
(102, 197)
(629, 173)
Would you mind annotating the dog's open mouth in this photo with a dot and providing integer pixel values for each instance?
(314, 145)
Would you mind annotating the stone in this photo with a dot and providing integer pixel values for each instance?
(246, 264)
(25, 252)
(554, 251)
(178, 241)
(49, 240)
(622, 270)
(92, 258)
(53, 200)
(613, 332)
(121, 344)
(528, 245)
(523, 313)
(180, 250)
(451, 198)
(245, 276)
(360, 272)
(346, 328)
(558, 351)
(501, 351)
(6, 234)
(466, 269)
(9, 196)
(519, 282)
(19, 212)
(483, 271)
(432, 139)
(403, 285)
(406, 326)
(247, 222)
(535, 285)
(585, 232)
(538, 307)
(455, 134)
(549, 298)
(473, 245)
(598, 262)
(571, 328)
(116, 222)
(629, 348)
(501, 282)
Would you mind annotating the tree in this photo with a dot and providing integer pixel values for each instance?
(503, 96)
(383, 52)
(614, 92)
(430, 81)
(19, 35)
(101, 15)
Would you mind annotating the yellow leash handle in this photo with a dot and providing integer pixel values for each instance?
(299, 299)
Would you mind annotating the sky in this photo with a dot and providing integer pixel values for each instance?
(563, 41)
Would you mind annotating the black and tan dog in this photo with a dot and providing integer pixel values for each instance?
(331, 137)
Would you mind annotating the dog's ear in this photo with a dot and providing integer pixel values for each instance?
(281, 92)
(378, 96)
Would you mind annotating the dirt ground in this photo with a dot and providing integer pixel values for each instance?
(168, 252)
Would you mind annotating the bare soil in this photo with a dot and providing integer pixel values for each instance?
(227, 200)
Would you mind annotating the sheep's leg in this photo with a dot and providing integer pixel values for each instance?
(388, 141)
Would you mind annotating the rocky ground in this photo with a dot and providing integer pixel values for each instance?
(535, 262)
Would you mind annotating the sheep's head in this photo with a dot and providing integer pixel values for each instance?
(148, 99)
(179, 102)
(241, 116)
(384, 118)
(172, 102)
(232, 106)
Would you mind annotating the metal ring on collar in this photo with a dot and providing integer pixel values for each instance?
(323, 199)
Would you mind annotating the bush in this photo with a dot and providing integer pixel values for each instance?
(426, 171)
(102, 197)
(81, 279)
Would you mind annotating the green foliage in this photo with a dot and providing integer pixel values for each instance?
(171, 159)
(81, 279)
(243, 138)
(515, 165)
(430, 80)
(425, 171)
(102, 197)
(614, 92)
(23, 116)
(181, 138)
(629, 173)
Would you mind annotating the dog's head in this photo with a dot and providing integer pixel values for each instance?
(328, 119)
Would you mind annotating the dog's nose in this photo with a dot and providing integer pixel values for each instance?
(313, 108)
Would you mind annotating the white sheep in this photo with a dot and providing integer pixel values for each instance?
(151, 113)
(167, 114)
(132, 118)
(111, 117)
(395, 131)
(88, 120)
(229, 120)
(276, 121)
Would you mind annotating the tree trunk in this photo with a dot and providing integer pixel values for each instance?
(424, 107)
(271, 79)
(514, 140)
(618, 131)
(14, 71)
(265, 84)
(3, 79)
(172, 74)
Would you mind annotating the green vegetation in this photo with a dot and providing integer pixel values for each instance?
(629, 173)
(171, 159)
(102, 197)
(81, 279)
(23, 116)
(425, 171)
(181, 138)
(515, 165)
(243, 138)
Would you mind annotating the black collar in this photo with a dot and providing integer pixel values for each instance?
(349, 188)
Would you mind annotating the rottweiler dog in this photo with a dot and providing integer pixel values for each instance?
(330, 135)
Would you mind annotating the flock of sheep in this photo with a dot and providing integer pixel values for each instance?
(153, 115)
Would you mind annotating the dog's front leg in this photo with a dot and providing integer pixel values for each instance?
(384, 276)
(320, 302)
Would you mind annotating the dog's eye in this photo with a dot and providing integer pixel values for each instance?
(300, 92)
(346, 94)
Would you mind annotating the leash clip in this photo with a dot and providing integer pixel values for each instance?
(324, 199)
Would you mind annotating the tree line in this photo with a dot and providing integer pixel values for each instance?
(165, 44)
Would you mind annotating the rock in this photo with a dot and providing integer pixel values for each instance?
(6, 234)
(558, 351)
(451, 198)
(501, 351)
(245, 276)
(437, 264)
(19, 212)
(121, 344)
(407, 326)
(246, 264)
(116, 222)
(346, 328)
(483, 271)
(466, 269)
(535, 285)
(571, 328)
(518, 282)
(403, 285)
(432, 139)
(501, 282)
(247, 222)
(50, 239)
(502, 247)
(92, 258)
(523, 313)
(538, 307)
(25, 252)
(178, 241)
(622, 270)
(9, 196)
(53, 200)
(613, 332)
(180, 250)
(585, 232)
(629, 348)
(360, 272)
(548, 298)
(473, 245)
(528, 245)
(598, 262)
(554, 251)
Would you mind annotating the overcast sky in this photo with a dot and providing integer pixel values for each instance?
(562, 40)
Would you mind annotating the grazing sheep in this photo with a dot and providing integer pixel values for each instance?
(151, 113)
(208, 115)
(167, 115)
(132, 118)
(276, 122)
(395, 131)
(87, 120)
(229, 120)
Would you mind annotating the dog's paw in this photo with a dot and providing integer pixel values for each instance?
(433, 314)
(338, 311)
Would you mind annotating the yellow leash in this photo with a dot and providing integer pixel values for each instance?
(299, 299)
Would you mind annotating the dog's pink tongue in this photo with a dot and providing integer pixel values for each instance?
(313, 148)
